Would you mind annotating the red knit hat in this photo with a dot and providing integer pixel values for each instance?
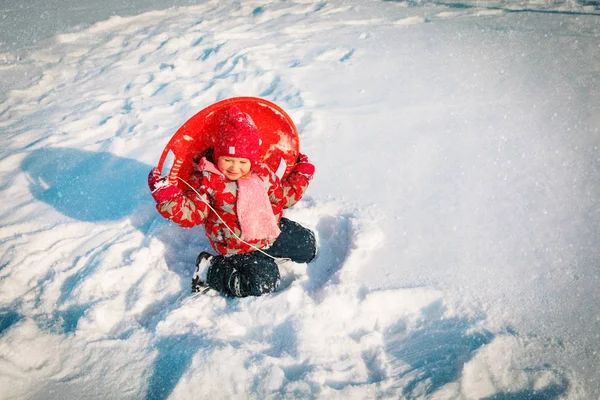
(237, 136)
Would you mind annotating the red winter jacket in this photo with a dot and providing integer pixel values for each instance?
(187, 208)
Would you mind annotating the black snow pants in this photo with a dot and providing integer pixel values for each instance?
(254, 274)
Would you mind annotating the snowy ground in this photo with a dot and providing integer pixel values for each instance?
(457, 149)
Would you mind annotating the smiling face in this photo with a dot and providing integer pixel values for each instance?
(234, 168)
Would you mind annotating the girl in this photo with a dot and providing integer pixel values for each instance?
(240, 202)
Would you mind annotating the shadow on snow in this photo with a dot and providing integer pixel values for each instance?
(7, 319)
(435, 354)
(87, 186)
(174, 357)
(102, 187)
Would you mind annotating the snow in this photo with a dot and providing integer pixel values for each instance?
(455, 201)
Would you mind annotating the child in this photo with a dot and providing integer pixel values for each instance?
(245, 224)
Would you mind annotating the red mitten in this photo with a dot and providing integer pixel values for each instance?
(304, 167)
(160, 187)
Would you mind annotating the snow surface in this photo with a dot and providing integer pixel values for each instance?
(457, 148)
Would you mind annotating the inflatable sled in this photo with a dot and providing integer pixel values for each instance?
(195, 138)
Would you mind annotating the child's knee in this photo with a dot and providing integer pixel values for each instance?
(265, 284)
(255, 279)
(309, 248)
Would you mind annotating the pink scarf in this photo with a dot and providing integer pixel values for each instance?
(254, 210)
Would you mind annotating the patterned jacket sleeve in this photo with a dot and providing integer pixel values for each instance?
(188, 209)
(275, 192)
(293, 188)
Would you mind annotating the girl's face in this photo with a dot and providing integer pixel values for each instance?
(233, 168)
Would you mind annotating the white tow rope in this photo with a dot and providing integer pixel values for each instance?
(278, 261)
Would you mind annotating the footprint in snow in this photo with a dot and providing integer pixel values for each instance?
(339, 54)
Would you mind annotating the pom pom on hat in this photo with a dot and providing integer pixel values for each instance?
(237, 137)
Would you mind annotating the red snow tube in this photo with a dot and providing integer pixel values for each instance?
(278, 134)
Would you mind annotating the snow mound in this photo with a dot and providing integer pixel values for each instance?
(95, 287)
